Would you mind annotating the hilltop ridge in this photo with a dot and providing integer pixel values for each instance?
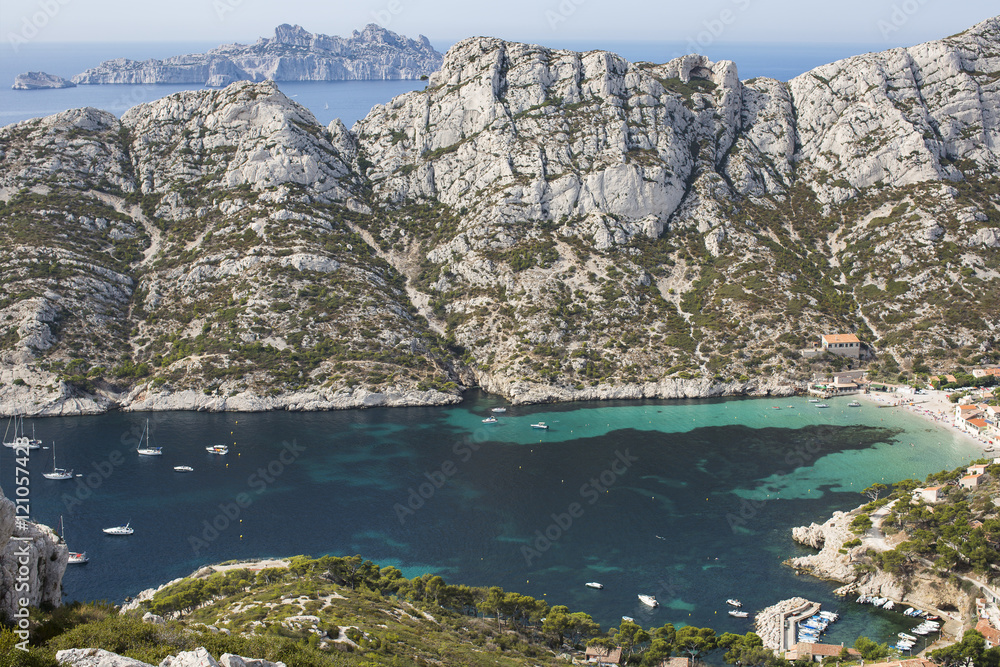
(545, 224)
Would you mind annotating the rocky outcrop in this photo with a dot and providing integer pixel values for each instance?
(293, 54)
(829, 538)
(199, 657)
(40, 80)
(32, 562)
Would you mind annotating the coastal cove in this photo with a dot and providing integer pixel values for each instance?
(692, 501)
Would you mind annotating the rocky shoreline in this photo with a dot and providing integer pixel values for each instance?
(834, 562)
(24, 401)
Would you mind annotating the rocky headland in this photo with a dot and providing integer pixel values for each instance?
(40, 80)
(293, 54)
(32, 563)
(545, 224)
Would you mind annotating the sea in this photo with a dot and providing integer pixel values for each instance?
(692, 501)
(347, 100)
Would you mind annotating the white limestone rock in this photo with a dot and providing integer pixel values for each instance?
(96, 657)
(199, 657)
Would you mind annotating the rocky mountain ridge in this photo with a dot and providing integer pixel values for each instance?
(293, 54)
(545, 224)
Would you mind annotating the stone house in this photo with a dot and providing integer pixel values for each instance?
(598, 655)
(846, 345)
(932, 494)
(971, 481)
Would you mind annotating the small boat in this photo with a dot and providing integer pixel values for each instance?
(830, 615)
(822, 405)
(183, 469)
(78, 557)
(217, 449)
(854, 404)
(490, 420)
(593, 584)
(499, 411)
(120, 530)
(57, 473)
(903, 635)
(738, 614)
(889, 605)
(814, 400)
(649, 600)
(733, 602)
(628, 618)
(541, 425)
(909, 611)
(147, 450)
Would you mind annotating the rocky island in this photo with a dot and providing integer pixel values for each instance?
(293, 54)
(545, 224)
(40, 80)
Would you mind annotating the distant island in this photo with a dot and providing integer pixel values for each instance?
(40, 80)
(293, 54)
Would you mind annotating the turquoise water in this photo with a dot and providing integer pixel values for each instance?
(691, 501)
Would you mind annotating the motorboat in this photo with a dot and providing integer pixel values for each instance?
(889, 604)
(57, 473)
(183, 469)
(738, 614)
(499, 411)
(217, 449)
(814, 400)
(822, 405)
(830, 615)
(490, 420)
(79, 557)
(120, 530)
(649, 600)
(733, 602)
(594, 584)
(628, 618)
(541, 425)
(854, 404)
(903, 635)
(147, 450)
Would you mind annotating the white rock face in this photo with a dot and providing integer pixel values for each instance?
(37, 549)
(40, 80)
(96, 657)
(200, 657)
(293, 54)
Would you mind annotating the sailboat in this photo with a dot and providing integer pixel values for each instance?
(74, 556)
(57, 473)
(20, 441)
(119, 530)
(147, 450)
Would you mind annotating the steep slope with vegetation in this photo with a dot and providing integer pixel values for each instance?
(547, 224)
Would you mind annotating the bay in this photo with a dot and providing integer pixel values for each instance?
(691, 501)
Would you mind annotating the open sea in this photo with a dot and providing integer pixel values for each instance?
(692, 501)
(348, 100)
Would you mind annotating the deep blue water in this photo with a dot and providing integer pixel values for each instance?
(347, 100)
(692, 501)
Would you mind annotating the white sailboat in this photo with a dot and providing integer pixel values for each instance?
(20, 441)
(79, 557)
(57, 473)
(147, 450)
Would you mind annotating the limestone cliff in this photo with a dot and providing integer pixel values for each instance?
(32, 562)
(40, 80)
(546, 224)
(293, 54)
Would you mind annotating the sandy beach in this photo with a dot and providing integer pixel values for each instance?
(934, 406)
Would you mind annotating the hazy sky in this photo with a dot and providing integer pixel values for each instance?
(879, 23)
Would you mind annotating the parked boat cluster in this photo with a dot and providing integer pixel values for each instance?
(811, 628)
(906, 641)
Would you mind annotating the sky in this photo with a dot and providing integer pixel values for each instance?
(875, 23)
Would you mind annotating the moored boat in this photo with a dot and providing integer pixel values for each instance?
(183, 469)
(737, 613)
(499, 411)
(593, 584)
(120, 530)
(217, 449)
(147, 450)
(649, 600)
(57, 473)
(541, 425)
(854, 404)
(733, 602)
(490, 420)
(79, 557)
